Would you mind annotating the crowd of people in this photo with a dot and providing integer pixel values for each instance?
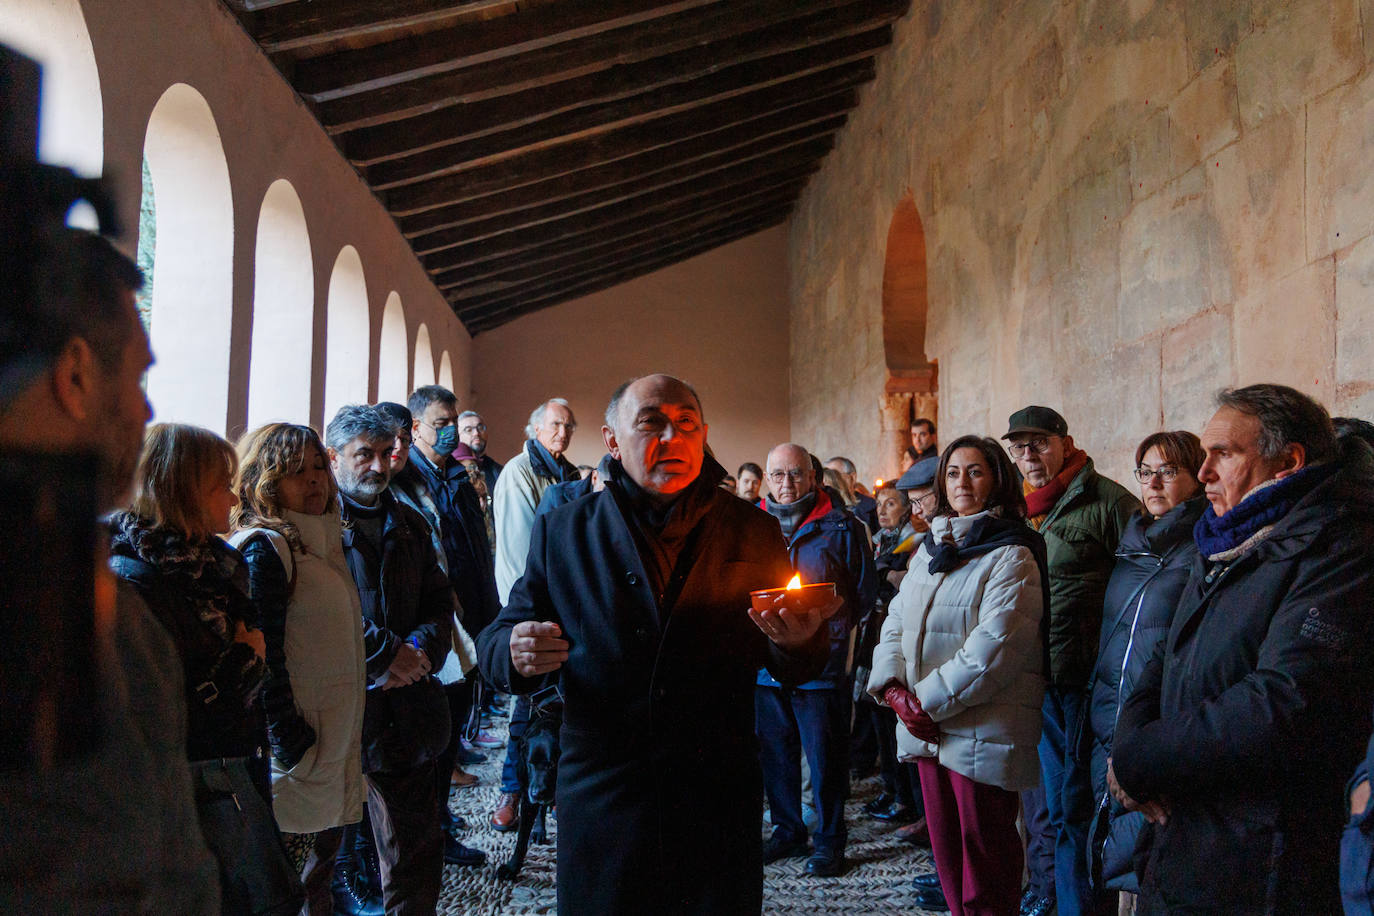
(1078, 697)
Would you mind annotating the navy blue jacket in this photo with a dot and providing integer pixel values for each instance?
(830, 545)
(464, 536)
(1152, 565)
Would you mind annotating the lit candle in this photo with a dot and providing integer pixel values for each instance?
(794, 583)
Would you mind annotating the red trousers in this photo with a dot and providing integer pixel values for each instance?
(973, 835)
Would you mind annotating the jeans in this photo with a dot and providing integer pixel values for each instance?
(816, 722)
(1357, 857)
(519, 721)
(1068, 798)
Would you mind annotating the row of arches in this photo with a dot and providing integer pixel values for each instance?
(186, 242)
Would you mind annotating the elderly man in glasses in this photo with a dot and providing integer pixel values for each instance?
(1082, 515)
(826, 544)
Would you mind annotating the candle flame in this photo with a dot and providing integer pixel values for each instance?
(878, 482)
(794, 584)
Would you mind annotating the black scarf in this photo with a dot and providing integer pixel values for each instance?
(662, 530)
(544, 464)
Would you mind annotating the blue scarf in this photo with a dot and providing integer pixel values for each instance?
(1258, 510)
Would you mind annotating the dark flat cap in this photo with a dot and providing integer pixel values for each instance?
(1043, 420)
(919, 475)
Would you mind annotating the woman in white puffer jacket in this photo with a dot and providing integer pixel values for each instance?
(962, 662)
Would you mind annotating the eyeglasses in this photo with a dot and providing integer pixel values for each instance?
(1166, 472)
(468, 429)
(796, 475)
(1039, 444)
(929, 501)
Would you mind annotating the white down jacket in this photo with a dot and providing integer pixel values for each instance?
(967, 643)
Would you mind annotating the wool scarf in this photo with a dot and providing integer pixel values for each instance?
(1040, 501)
(1249, 522)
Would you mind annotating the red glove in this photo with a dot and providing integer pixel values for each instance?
(908, 709)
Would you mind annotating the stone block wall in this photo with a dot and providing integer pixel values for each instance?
(1127, 205)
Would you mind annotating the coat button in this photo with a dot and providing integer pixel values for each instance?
(632, 578)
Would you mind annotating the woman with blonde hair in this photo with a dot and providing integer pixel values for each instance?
(288, 527)
(167, 546)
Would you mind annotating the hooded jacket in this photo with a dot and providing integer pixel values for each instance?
(1253, 712)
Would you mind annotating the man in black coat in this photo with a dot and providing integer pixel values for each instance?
(1240, 735)
(407, 604)
(639, 597)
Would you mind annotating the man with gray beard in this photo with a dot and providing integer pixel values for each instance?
(407, 604)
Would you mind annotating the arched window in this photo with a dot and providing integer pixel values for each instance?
(191, 300)
(424, 358)
(446, 371)
(393, 352)
(910, 391)
(283, 311)
(53, 32)
(346, 363)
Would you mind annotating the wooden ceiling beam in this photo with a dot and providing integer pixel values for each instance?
(618, 105)
(618, 61)
(490, 321)
(583, 247)
(292, 26)
(804, 153)
(693, 157)
(593, 230)
(520, 283)
(330, 76)
(535, 158)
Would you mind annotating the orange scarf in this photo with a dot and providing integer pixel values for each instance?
(1039, 501)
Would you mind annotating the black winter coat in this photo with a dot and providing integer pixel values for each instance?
(1153, 561)
(659, 788)
(405, 597)
(222, 678)
(1253, 714)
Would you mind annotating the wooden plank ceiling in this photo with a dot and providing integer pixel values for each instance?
(533, 151)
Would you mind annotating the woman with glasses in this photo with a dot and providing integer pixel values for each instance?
(1153, 560)
(961, 661)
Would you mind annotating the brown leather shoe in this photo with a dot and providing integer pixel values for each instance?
(461, 779)
(917, 834)
(506, 817)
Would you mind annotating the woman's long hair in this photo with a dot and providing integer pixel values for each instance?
(835, 481)
(266, 455)
(1006, 492)
(176, 464)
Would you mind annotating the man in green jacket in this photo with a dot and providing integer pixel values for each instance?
(1081, 514)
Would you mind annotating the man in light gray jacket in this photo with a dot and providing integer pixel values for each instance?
(519, 489)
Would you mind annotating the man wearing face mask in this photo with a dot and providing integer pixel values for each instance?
(434, 436)
(406, 605)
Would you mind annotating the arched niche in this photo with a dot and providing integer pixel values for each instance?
(71, 116)
(393, 352)
(346, 353)
(283, 311)
(910, 391)
(446, 371)
(190, 248)
(424, 358)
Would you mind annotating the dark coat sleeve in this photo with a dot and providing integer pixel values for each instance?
(288, 733)
(529, 600)
(433, 630)
(1247, 732)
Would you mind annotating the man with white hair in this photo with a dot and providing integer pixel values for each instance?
(521, 485)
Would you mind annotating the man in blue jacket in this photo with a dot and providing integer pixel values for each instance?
(826, 544)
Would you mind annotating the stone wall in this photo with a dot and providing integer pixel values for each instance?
(1127, 204)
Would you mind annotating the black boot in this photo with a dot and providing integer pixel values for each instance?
(357, 878)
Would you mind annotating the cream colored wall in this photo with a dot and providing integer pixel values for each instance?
(1126, 207)
(143, 48)
(718, 320)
